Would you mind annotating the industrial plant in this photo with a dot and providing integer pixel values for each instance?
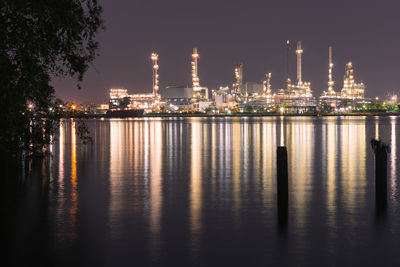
(296, 97)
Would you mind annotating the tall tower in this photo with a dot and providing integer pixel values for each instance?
(287, 69)
(238, 78)
(195, 72)
(287, 60)
(267, 88)
(331, 83)
(154, 59)
(299, 52)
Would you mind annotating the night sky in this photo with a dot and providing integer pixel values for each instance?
(366, 32)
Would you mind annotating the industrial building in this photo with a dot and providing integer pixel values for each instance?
(296, 98)
(351, 89)
(120, 99)
(178, 97)
(252, 88)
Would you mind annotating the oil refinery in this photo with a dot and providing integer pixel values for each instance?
(294, 98)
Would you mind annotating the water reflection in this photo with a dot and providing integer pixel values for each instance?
(74, 184)
(300, 144)
(156, 143)
(182, 191)
(119, 154)
(353, 171)
(236, 171)
(393, 158)
(196, 182)
(331, 165)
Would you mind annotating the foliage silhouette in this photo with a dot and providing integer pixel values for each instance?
(41, 39)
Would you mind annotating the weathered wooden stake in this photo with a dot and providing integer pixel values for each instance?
(282, 172)
(380, 150)
(282, 184)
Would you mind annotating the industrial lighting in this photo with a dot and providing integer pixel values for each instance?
(195, 74)
(154, 58)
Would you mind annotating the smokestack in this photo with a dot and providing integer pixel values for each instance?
(330, 80)
(287, 59)
(299, 52)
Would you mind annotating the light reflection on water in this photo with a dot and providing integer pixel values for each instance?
(194, 190)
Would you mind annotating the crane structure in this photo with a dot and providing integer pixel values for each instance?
(156, 93)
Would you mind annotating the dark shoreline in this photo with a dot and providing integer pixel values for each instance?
(188, 115)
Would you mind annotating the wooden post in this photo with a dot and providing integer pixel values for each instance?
(282, 186)
(380, 151)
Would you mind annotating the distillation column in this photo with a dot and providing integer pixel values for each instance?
(331, 83)
(238, 78)
(195, 73)
(299, 52)
(154, 58)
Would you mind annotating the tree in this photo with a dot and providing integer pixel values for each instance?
(40, 39)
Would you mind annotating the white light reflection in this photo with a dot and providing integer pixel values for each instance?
(236, 170)
(353, 151)
(393, 158)
(74, 183)
(331, 151)
(155, 184)
(196, 182)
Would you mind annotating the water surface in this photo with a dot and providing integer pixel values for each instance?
(202, 191)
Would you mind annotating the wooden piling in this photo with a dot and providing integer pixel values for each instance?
(282, 186)
(380, 151)
(282, 171)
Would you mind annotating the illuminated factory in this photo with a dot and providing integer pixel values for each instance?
(297, 97)
(352, 90)
(330, 92)
(301, 89)
(120, 99)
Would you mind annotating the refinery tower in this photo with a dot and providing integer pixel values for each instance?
(301, 89)
(199, 92)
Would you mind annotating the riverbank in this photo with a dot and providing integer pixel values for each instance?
(179, 115)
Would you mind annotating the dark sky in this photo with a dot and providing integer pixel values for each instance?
(366, 32)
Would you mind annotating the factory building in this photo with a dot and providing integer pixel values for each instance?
(120, 99)
(252, 88)
(297, 97)
(301, 89)
(178, 97)
(223, 99)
